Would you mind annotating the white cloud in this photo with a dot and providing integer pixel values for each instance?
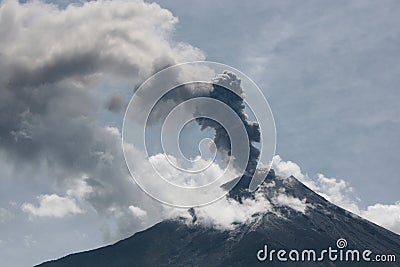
(286, 168)
(79, 188)
(341, 193)
(282, 199)
(226, 213)
(385, 215)
(211, 172)
(57, 206)
(149, 170)
(52, 206)
(137, 212)
(335, 191)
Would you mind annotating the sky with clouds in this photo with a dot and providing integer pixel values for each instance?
(330, 71)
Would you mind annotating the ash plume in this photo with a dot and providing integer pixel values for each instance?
(234, 98)
(226, 87)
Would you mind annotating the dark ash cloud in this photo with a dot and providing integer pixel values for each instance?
(116, 103)
(234, 99)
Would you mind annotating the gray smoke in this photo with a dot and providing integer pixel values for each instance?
(227, 88)
(116, 103)
(51, 87)
(235, 99)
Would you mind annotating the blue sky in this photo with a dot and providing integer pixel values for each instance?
(329, 69)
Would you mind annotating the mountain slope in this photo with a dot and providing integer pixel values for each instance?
(176, 243)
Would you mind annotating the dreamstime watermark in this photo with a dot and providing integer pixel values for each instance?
(213, 96)
(341, 253)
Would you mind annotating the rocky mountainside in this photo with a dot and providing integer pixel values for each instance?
(176, 243)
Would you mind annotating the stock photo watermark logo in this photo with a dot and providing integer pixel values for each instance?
(340, 253)
(214, 98)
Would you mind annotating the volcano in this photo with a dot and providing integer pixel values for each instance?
(177, 243)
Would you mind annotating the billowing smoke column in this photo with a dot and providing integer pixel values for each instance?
(210, 94)
(234, 98)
